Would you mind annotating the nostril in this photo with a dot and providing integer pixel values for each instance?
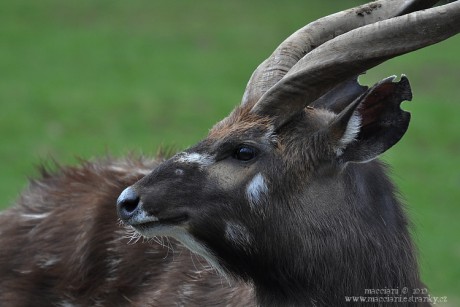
(130, 205)
(127, 203)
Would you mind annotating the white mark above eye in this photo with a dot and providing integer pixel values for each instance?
(255, 190)
(195, 158)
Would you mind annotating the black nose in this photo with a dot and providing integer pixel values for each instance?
(127, 203)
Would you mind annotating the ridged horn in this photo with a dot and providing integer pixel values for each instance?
(352, 53)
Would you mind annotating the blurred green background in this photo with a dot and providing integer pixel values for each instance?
(90, 78)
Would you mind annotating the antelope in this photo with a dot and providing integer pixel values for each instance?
(284, 203)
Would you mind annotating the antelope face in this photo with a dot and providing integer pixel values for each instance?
(211, 196)
(226, 197)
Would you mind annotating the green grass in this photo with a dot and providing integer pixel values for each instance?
(86, 78)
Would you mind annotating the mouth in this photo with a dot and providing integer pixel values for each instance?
(152, 222)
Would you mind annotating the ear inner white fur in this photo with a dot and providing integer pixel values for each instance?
(350, 134)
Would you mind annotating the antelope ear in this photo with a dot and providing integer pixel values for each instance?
(373, 123)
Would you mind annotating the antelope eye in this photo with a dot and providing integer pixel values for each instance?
(245, 153)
